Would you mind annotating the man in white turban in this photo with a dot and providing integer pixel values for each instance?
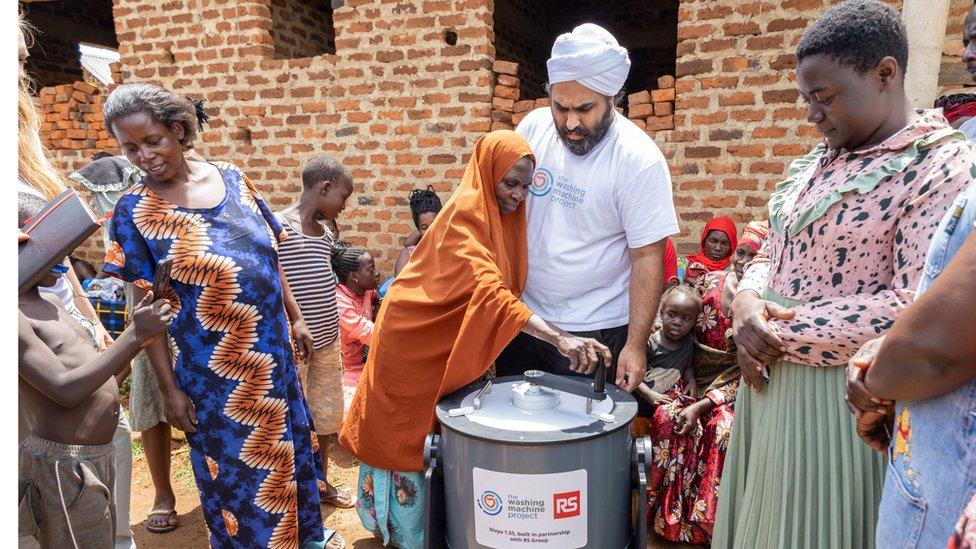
(599, 212)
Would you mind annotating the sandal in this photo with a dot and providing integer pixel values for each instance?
(333, 540)
(169, 526)
(341, 499)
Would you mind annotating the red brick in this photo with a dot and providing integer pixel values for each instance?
(666, 81)
(639, 98)
(787, 24)
(780, 96)
(686, 102)
(714, 12)
(501, 116)
(750, 150)
(703, 152)
(764, 43)
(524, 105)
(683, 136)
(737, 98)
(769, 131)
(725, 134)
(688, 32)
(734, 64)
(505, 67)
(657, 123)
(662, 95)
(776, 168)
(691, 68)
(85, 88)
(641, 111)
(797, 113)
(717, 44)
(783, 62)
(740, 29)
(698, 185)
(685, 85)
(707, 119)
(710, 82)
(503, 104)
(507, 92)
(663, 109)
(506, 80)
(738, 184)
(723, 168)
(803, 4)
(720, 202)
(748, 115)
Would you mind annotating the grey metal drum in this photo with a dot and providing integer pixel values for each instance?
(533, 468)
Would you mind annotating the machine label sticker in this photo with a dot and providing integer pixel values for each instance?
(516, 510)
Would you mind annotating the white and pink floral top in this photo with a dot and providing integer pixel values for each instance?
(849, 232)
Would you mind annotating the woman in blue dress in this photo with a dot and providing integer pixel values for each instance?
(227, 375)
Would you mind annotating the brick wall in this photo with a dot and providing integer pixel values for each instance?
(402, 108)
(953, 76)
(738, 117)
(302, 28)
(62, 24)
(397, 104)
(524, 33)
(646, 29)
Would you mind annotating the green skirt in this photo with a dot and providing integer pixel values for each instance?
(796, 474)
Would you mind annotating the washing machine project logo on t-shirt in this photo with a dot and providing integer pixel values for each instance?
(561, 191)
(541, 182)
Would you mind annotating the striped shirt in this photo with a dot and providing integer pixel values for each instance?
(307, 262)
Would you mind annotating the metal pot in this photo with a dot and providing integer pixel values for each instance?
(535, 461)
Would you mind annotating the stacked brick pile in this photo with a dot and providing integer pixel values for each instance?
(506, 108)
(653, 110)
(505, 94)
(71, 117)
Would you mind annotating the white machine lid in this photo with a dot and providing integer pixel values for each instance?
(521, 407)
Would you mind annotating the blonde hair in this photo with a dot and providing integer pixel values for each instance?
(32, 164)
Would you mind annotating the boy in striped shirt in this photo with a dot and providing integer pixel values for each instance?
(306, 259)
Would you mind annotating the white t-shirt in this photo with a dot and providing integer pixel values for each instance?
(584, 213)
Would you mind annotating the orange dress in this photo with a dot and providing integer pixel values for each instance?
(446, 317)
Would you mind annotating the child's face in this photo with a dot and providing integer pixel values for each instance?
(424, 220)
(678, 316)
(367, 276)
(743, 255)
(331, 198)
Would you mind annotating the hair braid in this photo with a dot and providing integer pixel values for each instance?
(345, 260)
(423, 201)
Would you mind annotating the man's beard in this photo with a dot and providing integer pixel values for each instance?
(590, 139)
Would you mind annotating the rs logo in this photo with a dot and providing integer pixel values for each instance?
(565, 505)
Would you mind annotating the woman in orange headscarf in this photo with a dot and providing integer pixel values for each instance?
(717, 244)
(445, 319)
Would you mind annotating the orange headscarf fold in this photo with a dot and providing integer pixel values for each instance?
(446, 317)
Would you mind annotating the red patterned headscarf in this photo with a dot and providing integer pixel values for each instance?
(754, 235)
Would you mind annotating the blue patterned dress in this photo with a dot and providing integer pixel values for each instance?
(252, 453)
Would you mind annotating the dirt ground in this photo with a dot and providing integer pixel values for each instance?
(192, 534)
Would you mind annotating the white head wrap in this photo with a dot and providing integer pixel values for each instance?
(591, 56)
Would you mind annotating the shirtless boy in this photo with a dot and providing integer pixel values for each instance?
(67, 464)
